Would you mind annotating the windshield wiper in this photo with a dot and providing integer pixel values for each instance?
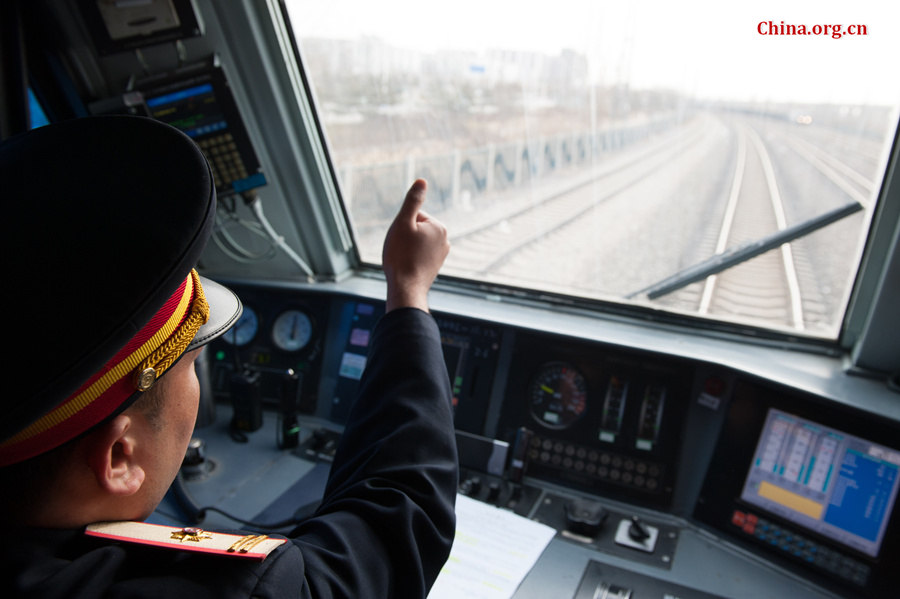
(742, 253)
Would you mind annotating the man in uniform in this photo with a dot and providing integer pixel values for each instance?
(105, 218)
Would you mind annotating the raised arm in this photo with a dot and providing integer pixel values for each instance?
(387, 521)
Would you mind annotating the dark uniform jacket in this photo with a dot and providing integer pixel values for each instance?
(384, 528)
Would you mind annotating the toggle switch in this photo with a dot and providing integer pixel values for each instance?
(637, 531)
(634, 533)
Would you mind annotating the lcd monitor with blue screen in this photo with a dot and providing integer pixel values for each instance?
(835, 484)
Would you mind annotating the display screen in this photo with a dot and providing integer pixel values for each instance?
(835, 484)
(193, 110)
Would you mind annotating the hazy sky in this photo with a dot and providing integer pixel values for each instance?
(704, 47)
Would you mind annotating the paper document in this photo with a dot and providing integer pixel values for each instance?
(493, 551)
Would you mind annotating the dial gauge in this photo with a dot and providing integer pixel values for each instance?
(244, 330)
(292, 330)
(557, 395)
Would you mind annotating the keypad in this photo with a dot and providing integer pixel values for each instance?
(222, 153)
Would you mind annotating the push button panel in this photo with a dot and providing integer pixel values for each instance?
(573, 461)
(798, 547)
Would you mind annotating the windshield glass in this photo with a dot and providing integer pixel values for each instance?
(595, 151)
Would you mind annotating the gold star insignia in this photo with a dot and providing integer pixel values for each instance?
(190, 534)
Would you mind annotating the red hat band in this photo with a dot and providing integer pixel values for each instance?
(134, 368)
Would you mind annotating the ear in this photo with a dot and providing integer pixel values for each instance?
(111, 457)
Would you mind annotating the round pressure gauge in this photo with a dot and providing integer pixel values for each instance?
(244, 330)
(292, 330)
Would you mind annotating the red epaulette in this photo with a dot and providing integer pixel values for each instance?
(251, 546)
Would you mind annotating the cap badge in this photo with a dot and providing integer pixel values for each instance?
(146, 379)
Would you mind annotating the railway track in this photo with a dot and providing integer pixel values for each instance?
(782, 287)
(765, 288)
(776, 288)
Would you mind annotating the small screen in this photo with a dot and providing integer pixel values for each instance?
(835, 484)
(194, 110)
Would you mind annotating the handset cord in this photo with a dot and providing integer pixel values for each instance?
(196, 514)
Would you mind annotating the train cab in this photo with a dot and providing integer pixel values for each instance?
(669, 312)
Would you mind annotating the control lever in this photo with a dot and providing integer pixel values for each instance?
(289, 435)
(634, 533)
(637, 531)
(518, 463)
(246, 401)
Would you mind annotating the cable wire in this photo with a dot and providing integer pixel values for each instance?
(231, 246)
(256, 206)
(197, 514)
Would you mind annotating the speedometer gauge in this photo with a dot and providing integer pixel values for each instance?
(292, 330)
(557, 395)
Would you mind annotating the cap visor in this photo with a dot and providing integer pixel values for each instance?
(224, 310)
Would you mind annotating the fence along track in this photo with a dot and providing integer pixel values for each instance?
(486, 247)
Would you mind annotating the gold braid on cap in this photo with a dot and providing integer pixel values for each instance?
(165, 355)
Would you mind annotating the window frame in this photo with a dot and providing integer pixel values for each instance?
(872, 320)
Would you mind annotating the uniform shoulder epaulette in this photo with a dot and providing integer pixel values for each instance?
(187, 539)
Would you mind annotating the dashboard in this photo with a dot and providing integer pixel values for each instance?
(581, 433)
(671, 461)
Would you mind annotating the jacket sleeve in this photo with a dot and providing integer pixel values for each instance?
(387, 521)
